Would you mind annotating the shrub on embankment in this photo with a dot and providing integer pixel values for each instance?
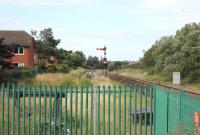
(27, 73)
(58, 68)
(16, 74)
(180, 52)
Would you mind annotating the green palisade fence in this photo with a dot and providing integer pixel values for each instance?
(48, 110)
(139, 110)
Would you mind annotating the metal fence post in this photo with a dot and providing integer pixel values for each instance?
(91, 112)
(2, 122)
(45, 101)
(13, 108)
(119, 111)
(109, 110)
(86, 117)
(81, 112)
(71, 89)
(140, 119)
(95, 111)
(98, 108)
(125, 110)
(65, 116)
(76, 110)
(135, 110)
(114, 111)
(103, 111)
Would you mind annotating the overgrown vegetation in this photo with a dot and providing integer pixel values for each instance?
(93, 62)
(5, 54)
(46, 46)
(77, 77)
(176, 53)
(117, 65)
(14, 76)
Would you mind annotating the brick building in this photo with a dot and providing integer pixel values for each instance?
(25, 54)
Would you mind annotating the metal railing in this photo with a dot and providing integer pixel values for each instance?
(27, 110)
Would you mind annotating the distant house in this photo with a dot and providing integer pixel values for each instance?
(25, 53)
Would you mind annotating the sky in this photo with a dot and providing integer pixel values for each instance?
(126, 27)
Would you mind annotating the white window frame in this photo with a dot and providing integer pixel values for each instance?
(18, 51)
(20, 64)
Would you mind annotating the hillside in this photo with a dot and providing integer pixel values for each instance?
(159, 77)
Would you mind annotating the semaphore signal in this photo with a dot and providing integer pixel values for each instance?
(105, 58)
(103, 49)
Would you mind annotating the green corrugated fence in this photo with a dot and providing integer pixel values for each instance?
(47, 110)
(175, 111)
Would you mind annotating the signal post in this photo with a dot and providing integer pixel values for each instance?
(105, 63)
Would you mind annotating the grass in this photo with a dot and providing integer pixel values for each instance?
(159, 78)
(75, 99)
(58, 79)
(73, 78)
(79, 78)
(142, 74)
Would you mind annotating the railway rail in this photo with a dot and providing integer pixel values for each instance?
(136, 81)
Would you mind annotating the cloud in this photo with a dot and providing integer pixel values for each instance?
(144, 21)
(157, 5)
(106, 35)
(2, 11)
(168, 6)
(167, 16)
(10, 22)
(46, 2)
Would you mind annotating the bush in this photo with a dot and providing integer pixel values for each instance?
(63, 68)
(151, 71)
(24, 73)
(25, 68)
(51, 69)
(41, 64)
(15, 75)
(194, 76)
(117, 65)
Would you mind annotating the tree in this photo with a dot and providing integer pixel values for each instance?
(116, 65)
(77, 59)
(46, 44)
(5, 54)
(93, 62)
(176, 53)
(64, 57)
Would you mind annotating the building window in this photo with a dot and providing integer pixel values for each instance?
(19, 51)
(16, 50)
(16, 64)
(19, 64)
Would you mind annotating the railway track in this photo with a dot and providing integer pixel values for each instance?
(136, 81)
